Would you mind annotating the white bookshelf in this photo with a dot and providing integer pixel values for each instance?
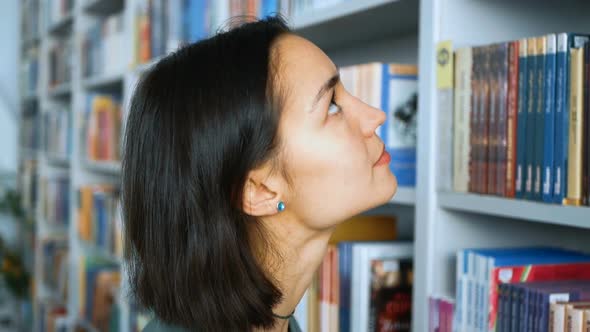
(447, 221)
(104, 82)
(404, 196)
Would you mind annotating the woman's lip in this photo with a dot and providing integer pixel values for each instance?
(384, 159)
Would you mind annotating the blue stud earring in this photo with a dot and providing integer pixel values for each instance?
(281, 206)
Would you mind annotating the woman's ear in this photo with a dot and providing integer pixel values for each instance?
(261, 194)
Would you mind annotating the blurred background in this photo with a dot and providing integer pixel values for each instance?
(487, 125)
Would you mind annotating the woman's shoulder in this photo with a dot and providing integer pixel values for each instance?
(156, 325)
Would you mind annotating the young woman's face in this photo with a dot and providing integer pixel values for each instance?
(336, 162)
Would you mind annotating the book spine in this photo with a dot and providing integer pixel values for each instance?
(586, 127)
(509, 166)
(549, 134)
(530, 117)
(561, 102)
(524, 311)
(501, 307)
(461, 293)
(462, 118)
(474, 120)
(539, 117)
(521, 120)
(493, 117)
(444, 78)
(515, 308)
(574, 189)
(484, 120)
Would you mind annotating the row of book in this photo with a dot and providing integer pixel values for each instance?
(161, 26)
(392, 88)
(482, 273)
(99, 218)
(99, 287)
(55, 204)
(440, 314)
(103, 47)
(519, 119)
(56, 10)
(544, 306)
(102, 125)
(363, 286)
(60, 62)
(54, 268)
(29, 128)
(58, 128)
(29, 72)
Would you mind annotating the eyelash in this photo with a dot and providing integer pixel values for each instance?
(332, 105)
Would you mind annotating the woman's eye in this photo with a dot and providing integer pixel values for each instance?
(333, 109)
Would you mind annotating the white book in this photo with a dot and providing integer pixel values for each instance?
(362, 254)
(461, 119)
(445, 110)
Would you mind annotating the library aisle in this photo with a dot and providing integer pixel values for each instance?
(487, 123)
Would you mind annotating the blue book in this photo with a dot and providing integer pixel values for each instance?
(530, 117)
(517, 298)
(549, 135)
(345, 269)
(268, 8)
(196, 20)
(539, 117)
(565, 41)
(399, 98)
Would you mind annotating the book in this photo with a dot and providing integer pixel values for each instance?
(566, 41)
(586, 128)
(362, 254)
(391, 295)
(576, 119)
(539, 116)
(445, 106)
(495, 76)
(102, 121)
(549, 119)
(575, 317)
(508, 151)
(521, 119)
(462, 119)
(532, 100)
(400, 102)
(433, 314)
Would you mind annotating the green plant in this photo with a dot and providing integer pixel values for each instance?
(12, 268)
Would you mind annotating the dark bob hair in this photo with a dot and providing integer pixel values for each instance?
(199, 121)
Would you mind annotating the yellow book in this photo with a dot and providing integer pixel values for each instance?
(576, 118)
(366, 228)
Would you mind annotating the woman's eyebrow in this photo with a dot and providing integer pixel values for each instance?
(327, 86)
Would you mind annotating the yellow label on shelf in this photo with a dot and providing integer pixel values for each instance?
(444, 65)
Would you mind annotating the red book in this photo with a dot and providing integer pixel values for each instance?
(474, 120)
(510, 166)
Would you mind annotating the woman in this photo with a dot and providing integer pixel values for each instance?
(243, 152)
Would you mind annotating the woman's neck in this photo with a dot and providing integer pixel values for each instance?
(299, 251)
